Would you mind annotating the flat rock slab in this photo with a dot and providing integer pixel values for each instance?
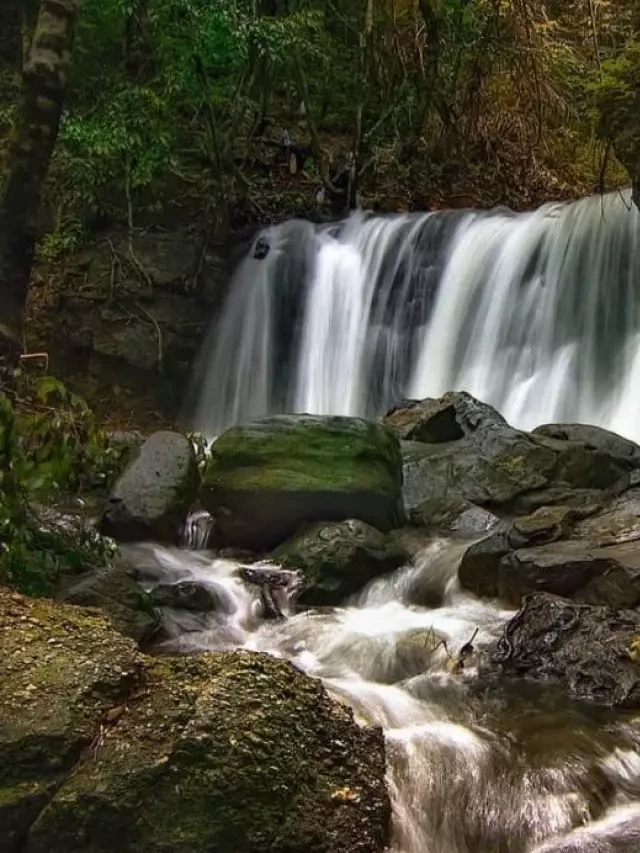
(268, 478)
(592, 652)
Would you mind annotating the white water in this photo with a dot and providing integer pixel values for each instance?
(536, 313)
(472, 768)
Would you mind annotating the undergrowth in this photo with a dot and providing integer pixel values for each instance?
(51, 451)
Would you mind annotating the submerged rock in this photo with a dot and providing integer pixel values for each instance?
(592, 652)
(103, 749)
(336, 560)
(152, 497)
(187, 595)
(268, 478)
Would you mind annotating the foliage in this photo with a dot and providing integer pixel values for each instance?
(50, 448)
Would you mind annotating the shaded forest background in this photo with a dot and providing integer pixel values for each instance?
(188, 123)
(135, 167)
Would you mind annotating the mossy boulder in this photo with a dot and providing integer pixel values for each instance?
(152, 497)
(337, 559)
(103, 750)
(61, 671)
(268, 478)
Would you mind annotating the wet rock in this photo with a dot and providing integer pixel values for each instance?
(276, 587)
(185, 595)
(479, 569)
(445, 419)
(514, 473)
(235, 751)
(114, 590)
(336, 560)
(152, 497)
(575, 570)
(591, 651)
(268, 478)
(480, 564)
(453, 515)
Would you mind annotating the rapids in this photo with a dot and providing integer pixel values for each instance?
(473, 766)
(535, 313)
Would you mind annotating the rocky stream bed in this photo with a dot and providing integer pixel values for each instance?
(420, 635)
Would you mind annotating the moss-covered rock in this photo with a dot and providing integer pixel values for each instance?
(103, 750)
(336, 560)
(268, 478)
(61, 671)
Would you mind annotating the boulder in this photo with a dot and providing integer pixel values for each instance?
(555, 549)
(62, 671)
(448, 418)
(152, 497)
(573, 569)
(104, 749)
(454, 516)
(268, 478)
(592, 652)
(512, 472)
(479, 569)
(336, 560)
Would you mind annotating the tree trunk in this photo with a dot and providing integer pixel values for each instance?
(45, 77)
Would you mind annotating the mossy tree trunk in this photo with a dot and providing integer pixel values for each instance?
(45, 77)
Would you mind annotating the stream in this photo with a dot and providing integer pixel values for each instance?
(474, 765)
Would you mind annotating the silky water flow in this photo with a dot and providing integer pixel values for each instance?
(537, 314)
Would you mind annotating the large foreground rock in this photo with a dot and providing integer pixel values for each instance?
(151, 499)
(268, 478)
(592, 652)
(103, 750)
(338, 559)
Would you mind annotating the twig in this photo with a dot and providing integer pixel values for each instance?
(158, 333)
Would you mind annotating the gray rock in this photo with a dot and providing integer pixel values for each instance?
(151, 499)
(575, 570)
(336, 560)
(445, 419)
(591, 651)
(514, 473)
(268, 478)
(454, 515)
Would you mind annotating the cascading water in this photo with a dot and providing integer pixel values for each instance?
(537, 314)
(473, 767)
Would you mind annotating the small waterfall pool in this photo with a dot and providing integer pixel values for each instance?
(473, 766)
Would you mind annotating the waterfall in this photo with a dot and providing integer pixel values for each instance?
(536, 313)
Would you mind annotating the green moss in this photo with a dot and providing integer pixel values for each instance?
(337, 454)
